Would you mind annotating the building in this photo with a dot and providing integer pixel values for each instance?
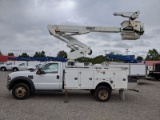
(124, 58)
(150, 64)
(13, 58)
(5, 58)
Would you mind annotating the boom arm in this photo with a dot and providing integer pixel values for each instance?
(130, 30)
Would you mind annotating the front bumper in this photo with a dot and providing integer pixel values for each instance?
(7, 86)
(8, 82)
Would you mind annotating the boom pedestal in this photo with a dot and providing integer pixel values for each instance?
(122, 94)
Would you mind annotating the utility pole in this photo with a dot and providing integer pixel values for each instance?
(127, 51)
(105, 52)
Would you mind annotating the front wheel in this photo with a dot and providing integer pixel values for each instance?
(92, 92)
(21, 91)
(3, 69)
(102, 94)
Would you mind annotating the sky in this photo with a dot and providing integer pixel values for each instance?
(23, 25)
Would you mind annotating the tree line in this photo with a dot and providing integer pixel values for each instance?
(25, 55)
(151, 55)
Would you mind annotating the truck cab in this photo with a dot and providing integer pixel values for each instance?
(6, 66)
(48, 77)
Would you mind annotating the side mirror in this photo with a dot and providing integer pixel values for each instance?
(38, 72)
(37, 67)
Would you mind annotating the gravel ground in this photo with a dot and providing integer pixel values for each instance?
(142, 105)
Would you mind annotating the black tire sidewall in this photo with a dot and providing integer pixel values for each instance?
(15, 69)
(3, 69)
(26, 89)
(92, 92)
(98, 90)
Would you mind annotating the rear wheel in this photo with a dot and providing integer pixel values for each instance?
(21, 91)
(102, 94)
(15, 69)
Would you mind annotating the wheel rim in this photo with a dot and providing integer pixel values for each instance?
(103, 94)
(20, 92)
(14, 70)
(2, 69)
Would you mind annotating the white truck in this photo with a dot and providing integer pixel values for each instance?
(20, 65)
(136, 70)
(14, 66)
(6, 65)
(57, 76)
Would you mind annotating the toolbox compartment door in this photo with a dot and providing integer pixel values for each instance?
(121, 79)
(71, 79)
(86, 78)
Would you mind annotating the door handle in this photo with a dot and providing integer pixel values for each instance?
(57, 76)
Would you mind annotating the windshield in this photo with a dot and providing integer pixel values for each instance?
(22, 64)
(39, 65)
(50, 68)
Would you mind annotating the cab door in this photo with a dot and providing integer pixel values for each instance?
(50, 78)
(22, 66)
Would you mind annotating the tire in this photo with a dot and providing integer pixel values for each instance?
(3, 69)
(102, 94)
(31, 69)
(15, 69)
(157, 78)
(92, 92)
(21, 91)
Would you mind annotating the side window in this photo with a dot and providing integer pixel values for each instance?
(9, 63)
(22, 64)
(50, 68)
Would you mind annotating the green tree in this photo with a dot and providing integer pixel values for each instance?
(84, 59)
(39, 54)
(11, 54)
(0, 52)
(112, 53)
(153, 55)
(62, 53)
(42, 54)
(139, 58)
(24, 55)
(36, 54)
(99, 59)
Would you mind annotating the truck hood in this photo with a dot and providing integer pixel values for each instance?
(21, 73)
(2, 65)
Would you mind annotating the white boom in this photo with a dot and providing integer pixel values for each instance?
(130, 30)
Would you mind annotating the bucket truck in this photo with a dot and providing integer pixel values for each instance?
(58, 76)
